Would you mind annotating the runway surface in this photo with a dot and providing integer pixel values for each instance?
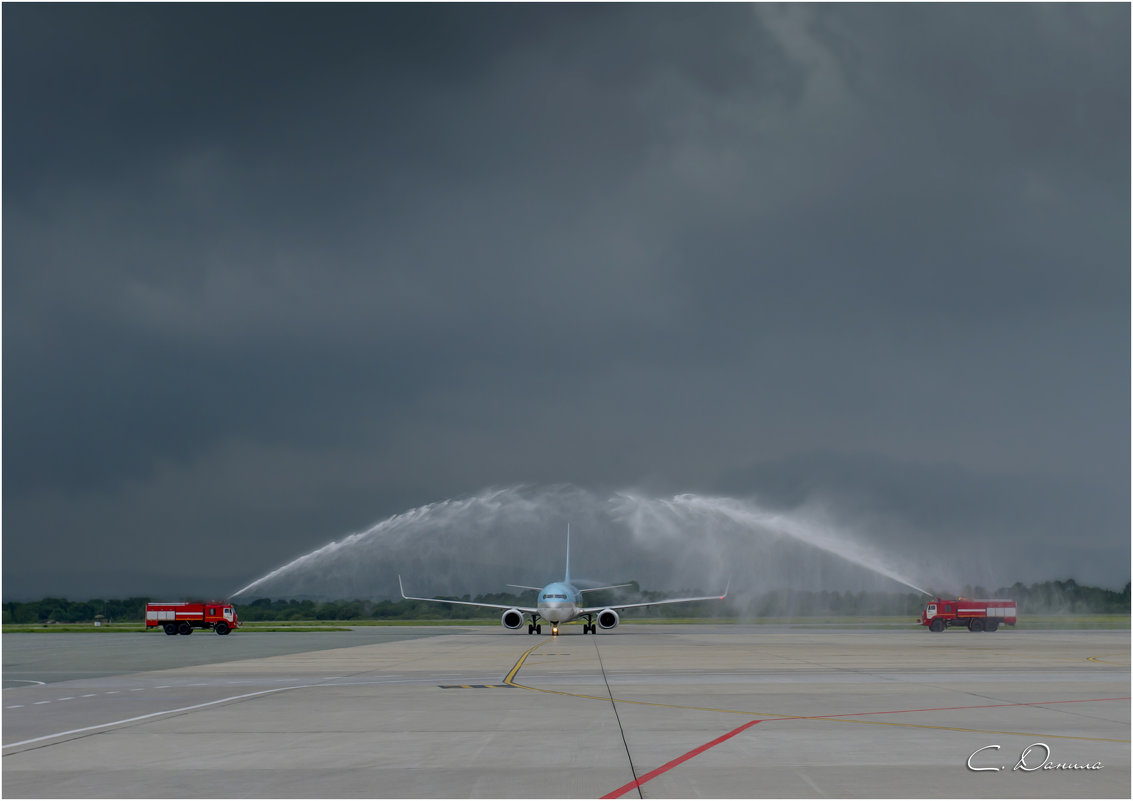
(643, 711)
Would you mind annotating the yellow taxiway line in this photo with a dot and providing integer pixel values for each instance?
(510, 680)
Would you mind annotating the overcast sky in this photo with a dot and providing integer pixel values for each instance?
(274, 273)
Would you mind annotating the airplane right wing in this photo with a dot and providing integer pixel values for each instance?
(527, 609)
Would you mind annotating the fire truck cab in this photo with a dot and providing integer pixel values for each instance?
(973, 613)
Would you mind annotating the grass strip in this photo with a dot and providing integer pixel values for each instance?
(1036, 623)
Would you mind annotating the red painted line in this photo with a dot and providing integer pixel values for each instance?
(653, 774)
(951, 708)
(685, 757)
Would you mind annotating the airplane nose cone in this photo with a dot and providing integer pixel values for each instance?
(555, 613)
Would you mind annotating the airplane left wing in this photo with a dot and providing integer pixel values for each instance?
(595, 609)
(463, 603)
(611, 587)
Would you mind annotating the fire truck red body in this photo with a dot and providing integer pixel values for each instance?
(182, 618)
(976, 614)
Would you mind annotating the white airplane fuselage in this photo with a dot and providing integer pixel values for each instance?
(559, 602)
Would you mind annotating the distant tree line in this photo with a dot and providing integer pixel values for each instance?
(60, 610)
(1055, 597)
(1048, 597)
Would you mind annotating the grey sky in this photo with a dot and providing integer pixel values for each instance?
(273, 273)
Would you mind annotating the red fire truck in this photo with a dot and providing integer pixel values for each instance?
(975, 613)
(182, 618)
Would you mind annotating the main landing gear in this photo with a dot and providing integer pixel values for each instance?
(589, 627)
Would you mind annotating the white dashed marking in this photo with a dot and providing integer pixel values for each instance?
(152, 715)
(68, 698)
(88, 695)
(15, 706)
(37, 703)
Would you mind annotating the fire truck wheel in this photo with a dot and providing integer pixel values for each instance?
(992, 626)
(170, 628)
(184, 628)
(222, 628)
(975, 625)
(936, 625)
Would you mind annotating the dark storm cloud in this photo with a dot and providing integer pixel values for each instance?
(275, 272)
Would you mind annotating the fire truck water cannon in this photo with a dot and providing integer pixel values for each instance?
(975, 614)
(182, 618)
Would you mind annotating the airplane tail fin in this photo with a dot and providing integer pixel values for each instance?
(566, 577)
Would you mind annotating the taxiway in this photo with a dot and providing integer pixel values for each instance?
(644, 711)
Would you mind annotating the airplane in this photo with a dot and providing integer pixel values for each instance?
(561, 602)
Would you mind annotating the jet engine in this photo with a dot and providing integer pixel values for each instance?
(512, 619)
(608, 619)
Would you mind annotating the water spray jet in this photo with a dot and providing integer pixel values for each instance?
(481, 542)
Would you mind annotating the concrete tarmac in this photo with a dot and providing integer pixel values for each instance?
(643, 711)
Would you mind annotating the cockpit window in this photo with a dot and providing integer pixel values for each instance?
(547, 596)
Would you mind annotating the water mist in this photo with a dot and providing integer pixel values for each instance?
(517, 535)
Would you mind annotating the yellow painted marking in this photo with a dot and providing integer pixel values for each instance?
(510, 680)
(1105, 662)
(640, 703)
